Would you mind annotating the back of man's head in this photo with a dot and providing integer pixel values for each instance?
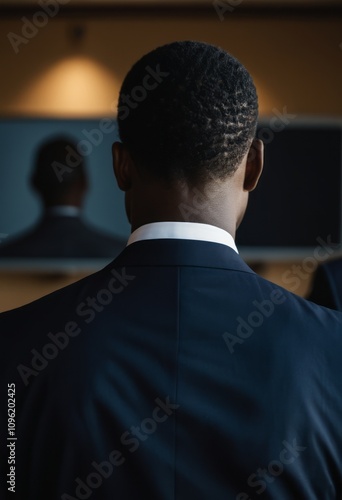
(187, 111)
(52, 188)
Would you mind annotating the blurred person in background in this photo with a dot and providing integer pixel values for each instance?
(61, 232)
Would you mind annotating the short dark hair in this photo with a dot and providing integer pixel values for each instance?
(44, 178)
(200, 119)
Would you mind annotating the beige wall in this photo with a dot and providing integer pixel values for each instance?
(296, 63)
(19, 288)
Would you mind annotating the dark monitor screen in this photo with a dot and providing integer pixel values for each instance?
(298, 199)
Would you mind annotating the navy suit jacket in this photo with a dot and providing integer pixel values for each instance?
(59, 236)
(174, 373)
(327, 285)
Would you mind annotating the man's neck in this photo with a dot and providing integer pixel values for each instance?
(206, 206)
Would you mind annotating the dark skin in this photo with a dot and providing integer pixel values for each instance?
(224, 202)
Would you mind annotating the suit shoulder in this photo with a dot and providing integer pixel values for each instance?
(296, 304)
(14, 244)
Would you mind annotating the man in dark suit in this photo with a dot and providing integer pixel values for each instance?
(61, 233)
(327, 285)
(176, 372)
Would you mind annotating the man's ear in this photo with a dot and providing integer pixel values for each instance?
(122, 166)
(254, 165)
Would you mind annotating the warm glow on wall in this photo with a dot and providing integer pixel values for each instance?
(73, 87)
(265, 97)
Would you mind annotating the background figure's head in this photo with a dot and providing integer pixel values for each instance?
(53, 178)
(187, 117)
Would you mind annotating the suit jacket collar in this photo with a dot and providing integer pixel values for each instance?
(179, 252)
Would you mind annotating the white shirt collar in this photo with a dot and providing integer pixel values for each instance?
(182, 231)
(66, 210)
